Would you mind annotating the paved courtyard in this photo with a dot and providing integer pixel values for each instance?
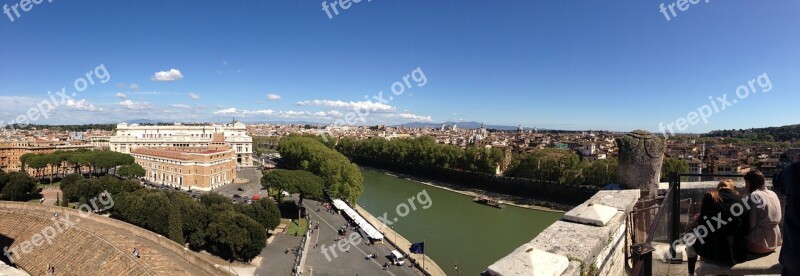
(251, 187)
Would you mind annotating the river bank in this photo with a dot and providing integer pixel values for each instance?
(473, 192)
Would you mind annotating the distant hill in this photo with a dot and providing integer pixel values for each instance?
(790, 133)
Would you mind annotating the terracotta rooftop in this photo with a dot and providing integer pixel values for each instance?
(177, 153)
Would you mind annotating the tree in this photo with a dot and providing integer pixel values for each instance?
(38, 162)
(264, 211)
(234, 236)
(340, 176)
(20, 187)
(24, 159)
(194, 216)
(3, 179)
(296, 182)
(131, 171)
(216, 202)
(548, 165)
(672, 166)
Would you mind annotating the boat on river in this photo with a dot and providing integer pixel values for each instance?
(485, 200)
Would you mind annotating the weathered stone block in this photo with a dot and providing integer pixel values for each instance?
(594, 214)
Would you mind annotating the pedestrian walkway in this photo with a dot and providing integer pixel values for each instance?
(275, 260)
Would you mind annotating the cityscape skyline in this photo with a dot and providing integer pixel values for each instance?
(575, 66)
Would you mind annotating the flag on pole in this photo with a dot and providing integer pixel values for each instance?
(417, 248)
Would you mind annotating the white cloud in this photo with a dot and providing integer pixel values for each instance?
(272, 113)
(82, 105)
(131, 105)
(414, 117)
(227, 111)
(194, 96)
(121, 96)
(363, 105)
(171, 75)
(134, 86)
(273, 97)
(180, 106)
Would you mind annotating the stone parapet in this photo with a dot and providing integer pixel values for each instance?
(586, 236)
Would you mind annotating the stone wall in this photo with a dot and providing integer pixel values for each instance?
(588, 240)
(186, 255)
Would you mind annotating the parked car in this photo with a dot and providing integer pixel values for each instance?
(237, 196)
(240, 189)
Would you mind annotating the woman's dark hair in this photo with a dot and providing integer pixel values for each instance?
(756, 180)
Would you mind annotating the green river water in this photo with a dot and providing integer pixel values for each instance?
(455, 229)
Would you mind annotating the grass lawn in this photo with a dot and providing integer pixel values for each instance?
(45, 185)
(292, 227)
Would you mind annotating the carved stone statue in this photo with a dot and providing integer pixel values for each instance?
(641, 155)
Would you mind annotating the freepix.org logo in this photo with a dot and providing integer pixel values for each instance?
(13, 11)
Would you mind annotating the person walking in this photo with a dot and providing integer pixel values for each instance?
(787, 183)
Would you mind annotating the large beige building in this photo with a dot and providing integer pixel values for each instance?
(195, 168)
(10, 151)
(132, 136)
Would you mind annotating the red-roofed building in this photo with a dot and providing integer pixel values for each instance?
(196, 168)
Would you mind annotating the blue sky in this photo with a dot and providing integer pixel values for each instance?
(549, 64)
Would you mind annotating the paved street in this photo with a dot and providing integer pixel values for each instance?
(274, 259)
(345, 263)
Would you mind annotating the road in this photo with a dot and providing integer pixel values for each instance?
(349, 262)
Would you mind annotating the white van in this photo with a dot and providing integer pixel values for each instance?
(397, 258)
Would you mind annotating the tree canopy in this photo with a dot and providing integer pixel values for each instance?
(342, 178)
(671, 166)
(300, 182)
(17, 186)
(424, 152)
